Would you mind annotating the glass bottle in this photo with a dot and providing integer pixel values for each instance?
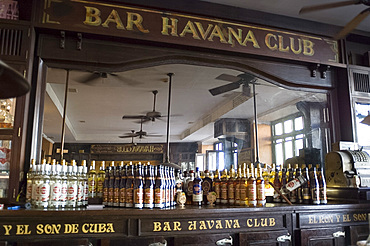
(116, 186)
(173, 187)
(306, 193)
(55, 186)
(244, 185)
(315, 188)
(105, 186)
(269, 190)
(322, 183)
(44, 189)
(231, 187)
(283, 180)
(189, 190)
(138, 187)
(260, 185)
(277, 185)
(100, 179)
(197, 189)
(298, 172)
(149, 186)
(122, 187)
(86, 186)
(252, 189)
(159, 188)
(130, 187)
(206, 186)
(30, 176)
(92, 180)
(167, 187)
(112, 178)
(72, 185)
(80, 184)
(35, 186)
(293, 193)
(217, 186)
(64, 180)
(224, 189)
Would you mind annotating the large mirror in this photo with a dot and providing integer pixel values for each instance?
(209, 131)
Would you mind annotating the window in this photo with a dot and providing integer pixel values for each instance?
(288, 137)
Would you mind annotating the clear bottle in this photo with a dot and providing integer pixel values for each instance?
(206, 186)
(86, 187)
(80, 185)
(159, 199)
(197, 189)
(64, 181)
(217, 186)
(30, 176)
(100, 179)
(252, 189)
(93, 180)
(45, 186)
(138, 187)
(315, 188)
(277, 185)
(224, 188)
(130, 187)
(260, 185)
(55, 186)
(35, 186)
(72, 185)
(322, 183)
(122, 187)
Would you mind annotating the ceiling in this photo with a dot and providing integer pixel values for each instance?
(337, 16)
(95, 109)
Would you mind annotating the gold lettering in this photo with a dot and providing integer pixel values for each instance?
(202, 225)
(190, 28)
(236, 224)
(84, 229)
(176, 226)
(110, 228)
(321, 219)
(256, 224)
(7, 229)
(268, 41)
(210, 224)
(166, 26)
(39, 229)
(281, 45)
(157, 226)
(23, 230)
(272, 221)
(113, 17)
(192, 225)
(93, 228)
(47, 229)
(102, 228)
(237, 36)
(203, 33)
(249, 223)
(217, 32)
(218, 224)
(137, 20)
(359, 217)
(166, 226)
(338, 218)
(263, 222)
(92, 16)
(308, 47)
(70, 228)
(292, 47)
(228, 223)
(251, 38)
(346, 218)
(310, 219)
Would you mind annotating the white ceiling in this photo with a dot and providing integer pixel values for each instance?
(337, 16)
(95, 110)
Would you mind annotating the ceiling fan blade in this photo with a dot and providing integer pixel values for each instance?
(153, 136)
(125, 80)
(228, 77)
(327, 6)
(352, 24)
(128, 136)
(224, 88)
(89, 78)
(141, 117)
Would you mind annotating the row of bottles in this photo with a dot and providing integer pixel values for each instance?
(56, 185)
(304, 184)
(134, 186)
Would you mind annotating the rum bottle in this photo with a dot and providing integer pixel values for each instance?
(159, 188)
(306, 193)
(252, 189)
(244, 186)
(30, 175)
(315, 188)
(206, 186)
(293, 193)
(217, 186)
(80, 184)
(92, 180)
(72, 185)
(64, 187)
(149, 186)
(36, 186)
(100, 179)
(116, 186)
(122, 187)
(277, 185)
(298, 172)
(260, 184)
(55, 186)
(322, 183)
(224, 189)
(197, 189)
(45, 186)
(189, 189)
(283, 180)
(231, 187)
(130, 187)
(112, 178)
(138, 187)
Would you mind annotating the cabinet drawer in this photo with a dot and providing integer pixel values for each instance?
(323, 236)
(206, 240)
(266, 238)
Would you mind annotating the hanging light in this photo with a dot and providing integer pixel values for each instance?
(12, 83)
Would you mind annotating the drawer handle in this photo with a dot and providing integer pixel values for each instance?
(339, 234)
(284, 238)
(159, 243)
(225, 241)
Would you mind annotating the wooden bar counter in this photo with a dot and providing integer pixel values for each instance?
(275, 224)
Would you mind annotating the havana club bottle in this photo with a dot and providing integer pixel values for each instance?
(260, 185)
(122, 187)
(72, 185)
(130, 187)
(277, 185)
(138, 187)
(322, 184)
(315, 188)
(197, 189)
(217, 186)
(231, 187)
(237, 186)
(244, 185)
(298, 172)
(283, 180)
(105, 186)
(112, 178)
(252, 189)
(64, 180)
(92, 181)
(167, 187)
(36, 186)
(116, 185)
(55, 186)
(86, 187)
(173, 187)
(30, 176)
(100, 179)
(206, 186)
(159, 188)
(149, 186)
(306, 193)
(293, 193)
(80, 184)
(44, 189)
(224, 188)
(189, 188)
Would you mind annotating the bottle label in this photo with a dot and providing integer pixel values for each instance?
(56, 191)
(29, 190)
(306, 193)
(224, 191)
(252, 195)
(138, 196)
(80, 193)
(72, 192)
(243, 193)
(122, 195)
(63, 193)
(92, 186)
(34, 191)
(190, 188)
(44, 192)
(261, 192)
(129, 195)
(197, 189)
(197, 198)
(110, 194)
(100, 185)
(158, 196)
(231, 192)
(217, 190)
(237, 191)
(206, 186)
(315, 195)
(105, 194)
(116, 192)
(149, 196)
(323, 194)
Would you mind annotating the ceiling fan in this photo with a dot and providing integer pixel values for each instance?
(352, 24)
(139, 134)
(244, 79)
(149, 116)
(95, 75)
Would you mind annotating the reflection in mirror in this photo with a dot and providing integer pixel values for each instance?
(210, 131)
